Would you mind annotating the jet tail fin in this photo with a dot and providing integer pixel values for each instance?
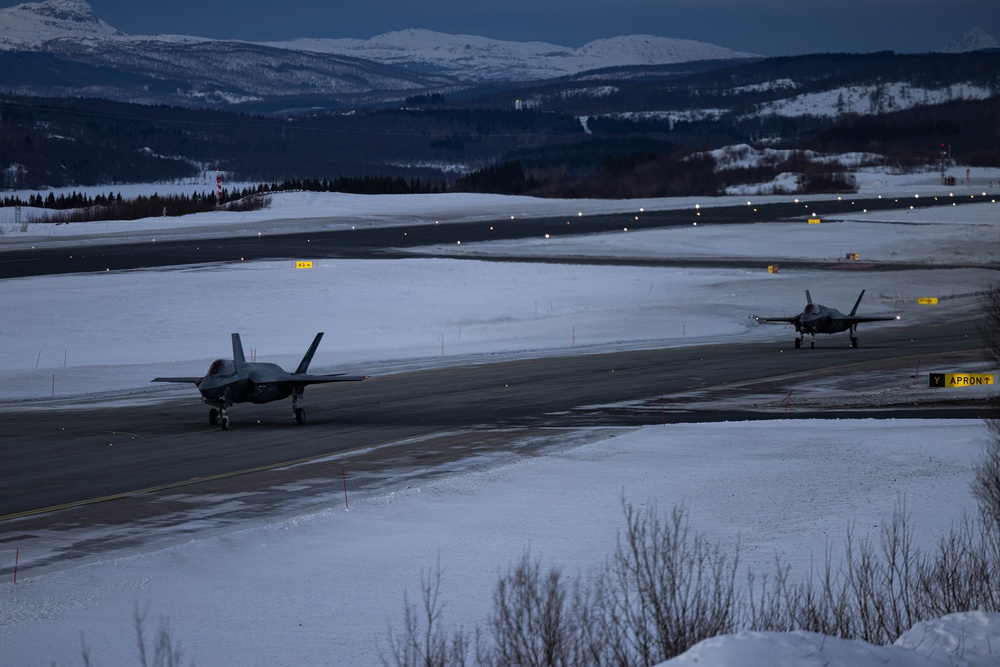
(238, 356)
(307, 359)
(857, 303)
(809, 298)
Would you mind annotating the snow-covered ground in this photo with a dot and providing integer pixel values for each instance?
(383, 316)
(321, 588)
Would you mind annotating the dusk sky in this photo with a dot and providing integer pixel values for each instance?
(766, 27)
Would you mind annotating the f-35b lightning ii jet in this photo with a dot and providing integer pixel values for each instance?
(815, 319)
(236, 380)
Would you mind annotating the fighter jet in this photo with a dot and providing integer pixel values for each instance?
(235, 380)
(815, 319)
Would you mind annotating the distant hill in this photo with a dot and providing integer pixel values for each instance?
(62, 48)
(622, 117)
(32, 24)
(973, 40)
(478, 59)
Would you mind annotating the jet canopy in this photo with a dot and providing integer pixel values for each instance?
(221, 368)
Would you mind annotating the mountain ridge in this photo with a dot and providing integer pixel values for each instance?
(31, 24)
(471, 57)
(43, 26)
(972, 40)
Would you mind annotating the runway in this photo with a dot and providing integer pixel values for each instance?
(124, 463)
(386, 241)
(64, 456)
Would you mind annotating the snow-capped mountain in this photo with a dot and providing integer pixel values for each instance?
(973, 40)
(472, 58)
(63, 48)
(30, 25)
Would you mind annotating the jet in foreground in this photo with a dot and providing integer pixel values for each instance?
(815, 319)
(238, 381)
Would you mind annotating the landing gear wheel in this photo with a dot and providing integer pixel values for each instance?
(213, 417)
(300, 416)
(812, 345)
(854, 342)
(225, 423)
(798, 343)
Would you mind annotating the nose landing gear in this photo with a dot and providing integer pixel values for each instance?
(218, 417)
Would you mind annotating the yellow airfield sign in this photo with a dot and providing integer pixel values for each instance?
(813, 221)
(927, 301)
(948, 380)
(303, 265)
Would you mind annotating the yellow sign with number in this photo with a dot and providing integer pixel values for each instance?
(303, 265)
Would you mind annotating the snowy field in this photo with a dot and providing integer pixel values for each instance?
(386, 316)
(322, 588)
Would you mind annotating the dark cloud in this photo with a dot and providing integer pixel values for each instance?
(768, 27)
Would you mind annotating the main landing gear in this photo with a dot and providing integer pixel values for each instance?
(218, 417)
(300, 413)
(812, 343)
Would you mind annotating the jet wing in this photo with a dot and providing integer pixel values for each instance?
(301, 379)
(854, 319)
(194, 380)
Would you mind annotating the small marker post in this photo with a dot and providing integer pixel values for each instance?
(17, 557)
(788, 399)
(343, 473)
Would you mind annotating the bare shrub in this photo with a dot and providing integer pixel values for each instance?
(670, 587)
(667, 587)
(881, 582)
(819, 604)
(964, 573)
(423, 641)
(530, 623)
(164, 651)
(986, 484)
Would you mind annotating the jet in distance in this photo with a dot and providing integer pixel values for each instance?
(816, 318)
(236, 380)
